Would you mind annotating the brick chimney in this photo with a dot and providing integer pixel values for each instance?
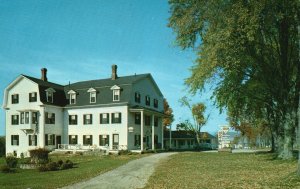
(44, 74)
(114, 75)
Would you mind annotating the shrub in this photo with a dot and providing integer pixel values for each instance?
(52, 166)
(5, 169)
(39, 156)
(11, 161)
(60, 162)
(67, 165)
(43, 168)
(2, 146)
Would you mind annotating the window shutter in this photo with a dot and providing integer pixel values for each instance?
(46, 139)
(18, 140)
(29, 140)
(53, 139)
(120, 118)
(35, 138)
(12, 139)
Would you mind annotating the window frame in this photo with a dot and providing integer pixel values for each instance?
(15, 138)
(116, 95)
(85, 143)
(48, 95)
(73, 121)
(85, 120)
(49, 120)
(102, 120)
(104, 141)
(155, 103)
(115, 120)
(137, 97)
(15, 99)
(147, 100)
(33, 98)
(148, 120)
(31, 139)
(13, 120)
(137, 118)
(91, 97)
(73, 141)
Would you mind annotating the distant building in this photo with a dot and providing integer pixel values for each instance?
(187, 140)
(118, 113)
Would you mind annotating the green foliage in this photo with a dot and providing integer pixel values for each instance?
(248, 52)
(43, 168)
(2, 146)
(52, 166)
(5, 169)
(67, 165)
(39, 156)
(11, 161)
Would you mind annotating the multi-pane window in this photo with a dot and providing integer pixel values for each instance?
(15, 119)
(137, 140)
(147, 100)
(49, 96)
(156, 121)
(15, 140)
(49, 139)
(73, 98)
(33, 97)
(32, 140)
(26, 117)
(104, 118)
(116, 117)
(72, 119)
(34, 117)
(116, 95)
(73, 139)
(87, 119)
(87, 139)
(155, 103)
(137, 97)
(137, 119)
(15, 98)
(147, 120)
(103, 140)
(49, 118)
(93, 97)
(22, 117)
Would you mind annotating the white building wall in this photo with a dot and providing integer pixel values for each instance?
(95, 129)
(23, 87)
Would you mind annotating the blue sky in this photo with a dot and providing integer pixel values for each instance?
(80, 40)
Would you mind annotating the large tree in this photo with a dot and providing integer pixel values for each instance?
(248, 51)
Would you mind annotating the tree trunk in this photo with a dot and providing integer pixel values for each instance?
(287, 150)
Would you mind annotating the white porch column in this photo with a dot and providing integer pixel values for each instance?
(152, 132)
(142, 130)
(41, 130)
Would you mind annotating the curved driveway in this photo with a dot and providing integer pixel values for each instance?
(134, 174)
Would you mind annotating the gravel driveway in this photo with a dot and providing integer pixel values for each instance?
(134, 174)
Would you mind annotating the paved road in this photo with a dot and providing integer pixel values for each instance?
(134, 174)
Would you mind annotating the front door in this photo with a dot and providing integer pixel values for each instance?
(58, 141)
(115, 141)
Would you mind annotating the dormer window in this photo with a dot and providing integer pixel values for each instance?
(137, 97)
(147, 100)
(49, 94)
(93, 94)
(72, 97)
(116, 93)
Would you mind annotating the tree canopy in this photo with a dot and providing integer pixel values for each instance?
(248, 51)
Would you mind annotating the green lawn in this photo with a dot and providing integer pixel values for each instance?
(224, 170)
(86, 167)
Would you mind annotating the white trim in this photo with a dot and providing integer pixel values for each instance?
(91, 90)
(115, 87)
(71, 92)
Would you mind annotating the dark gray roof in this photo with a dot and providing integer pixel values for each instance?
(59, 97)
(102, 86)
